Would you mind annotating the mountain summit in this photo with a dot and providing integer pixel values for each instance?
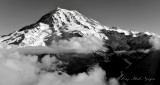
(57, 24)
(62, 24)
(79, 43)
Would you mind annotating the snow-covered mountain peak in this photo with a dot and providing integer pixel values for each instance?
(63, 24)
(56, 25)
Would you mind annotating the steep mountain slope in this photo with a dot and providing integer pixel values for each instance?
(63, 24)
(56, 25)
(117, 51)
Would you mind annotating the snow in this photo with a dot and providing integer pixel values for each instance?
(60, 17)
(147, 33)
(134, 33)
(43, 26)
(76, 23)
(35, 37)
(126, 32)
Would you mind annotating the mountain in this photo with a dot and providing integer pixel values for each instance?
(56, 25)
(120, 53)
(64, 24)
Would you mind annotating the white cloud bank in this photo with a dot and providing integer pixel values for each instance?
(155, 41)
(85, 44)
(19, 69)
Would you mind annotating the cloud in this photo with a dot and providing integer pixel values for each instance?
(85, 44)
(15, 69)
(35, 50)
(155, 41)
(95, 77)
(19, 69)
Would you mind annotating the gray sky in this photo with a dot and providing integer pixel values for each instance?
(137, 15)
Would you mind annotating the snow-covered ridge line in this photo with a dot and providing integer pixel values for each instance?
(61, 23)
(131, 32)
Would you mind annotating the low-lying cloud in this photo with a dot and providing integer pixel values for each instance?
(155, 41)
(19, 69)
(83, 44)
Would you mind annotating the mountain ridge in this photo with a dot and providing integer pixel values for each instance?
(80, 43)
(61, 24)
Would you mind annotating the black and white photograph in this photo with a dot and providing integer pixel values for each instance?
(79, 42)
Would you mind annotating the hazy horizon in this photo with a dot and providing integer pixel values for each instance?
(136, 15)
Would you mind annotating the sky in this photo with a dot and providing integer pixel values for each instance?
(136, 15)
